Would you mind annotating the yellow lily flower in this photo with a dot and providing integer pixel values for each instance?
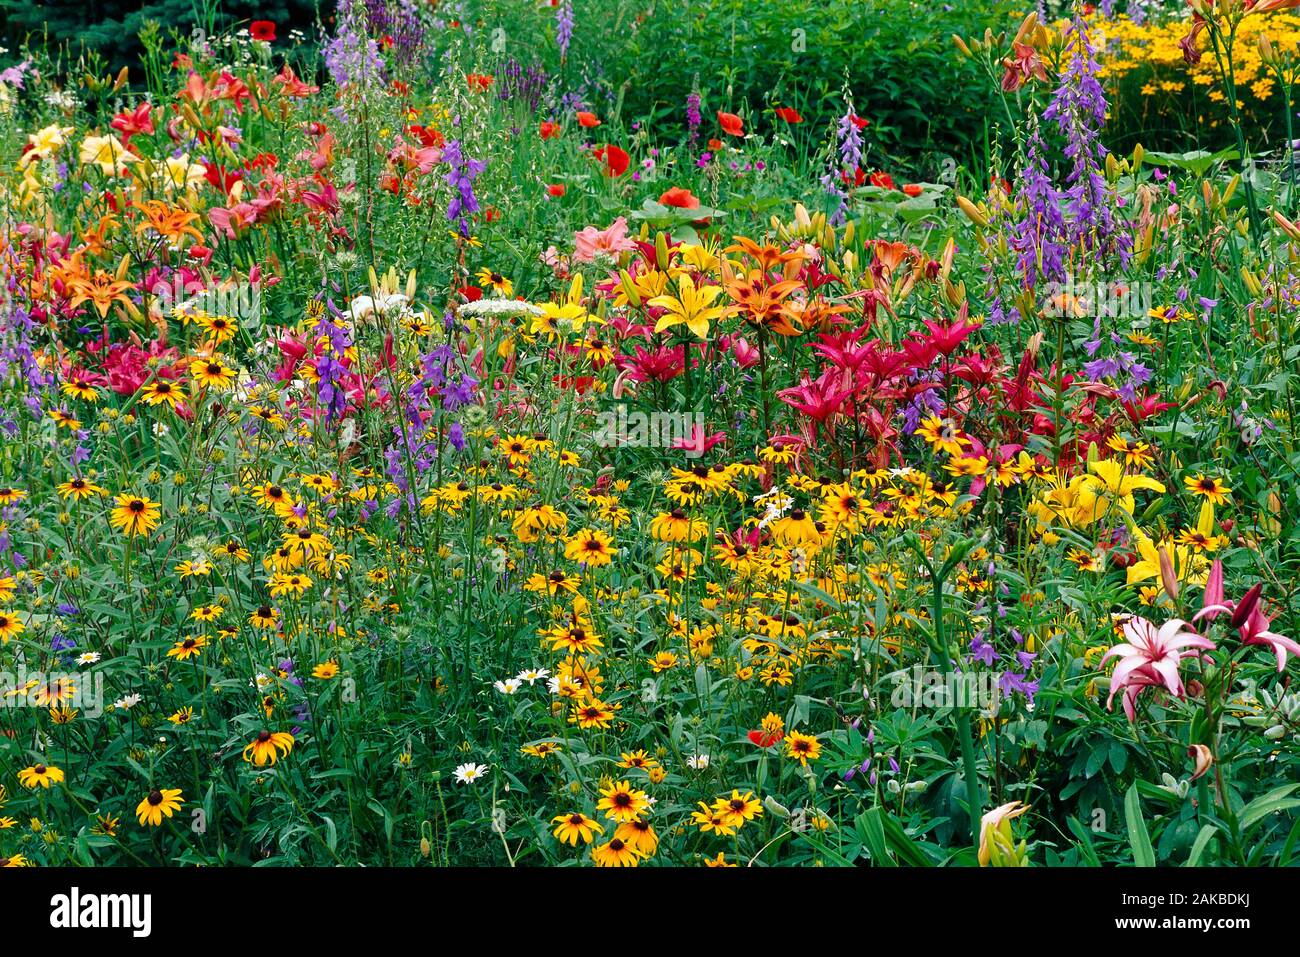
(691, 306)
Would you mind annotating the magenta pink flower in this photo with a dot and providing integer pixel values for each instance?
(1246, 616)
(1255, 632)
(1149, 657)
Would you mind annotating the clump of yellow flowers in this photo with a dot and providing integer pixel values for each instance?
(1145, 72)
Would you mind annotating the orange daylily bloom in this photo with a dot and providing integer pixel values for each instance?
(768, 257)
(763, 303)
(169, 222)
(103, 290)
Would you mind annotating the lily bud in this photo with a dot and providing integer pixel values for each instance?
(1168, 577)
(1246, 606)
(972, 212)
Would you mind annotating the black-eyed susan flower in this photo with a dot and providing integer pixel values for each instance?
(710, 821)
(163, 392)
(268, 747)
(80, 388)
(1211, 489)
(289, 584)
(677, 526)
(542, 750)
(207, 612)
(802, 747)
(10, 626)
(738, 809)
(65, 420)
(575, 826)
(212, 374)
(593, 713)
(638, 835)
(638, 760)
(796, 529)
(231, 551)
(135, 515)
(326, 670)
(187, 648)
(616, 853)
(943, 435)
(158, 804)
(40, 775)
(591, 547)
(621, 802)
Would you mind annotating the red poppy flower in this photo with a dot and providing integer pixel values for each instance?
(912, 189)
(715, 144)
(765, 739)
(262, 30)
(858, 178)
(549, 130)
(860, 122)
(556, 189)
(680, 198)
(479, 81)
(471, 293)
(731, 124)
(883, 180)
(789, 115)
(615, 160)
(589, 120)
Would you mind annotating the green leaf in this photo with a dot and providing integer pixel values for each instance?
(1266, 804)
(1200, 844)
(872, 830)
(1138, 838)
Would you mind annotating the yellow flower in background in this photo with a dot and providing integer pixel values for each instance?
(108, 153)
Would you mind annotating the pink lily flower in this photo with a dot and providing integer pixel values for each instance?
(1255, 632)
(1247, 616)
(1149, 658)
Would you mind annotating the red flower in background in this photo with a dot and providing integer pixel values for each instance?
(912, 189)
(555, 189)
(131, 122)
(549, 130)
(680, 198)
(588, 120)
(479, 82)
(731, 124)
(883, 180)
(262, 30)
(615, 160)
(789, 115)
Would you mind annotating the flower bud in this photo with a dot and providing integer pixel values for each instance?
(1246, 606)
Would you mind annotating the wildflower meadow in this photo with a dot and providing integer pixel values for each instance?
(576, 434)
